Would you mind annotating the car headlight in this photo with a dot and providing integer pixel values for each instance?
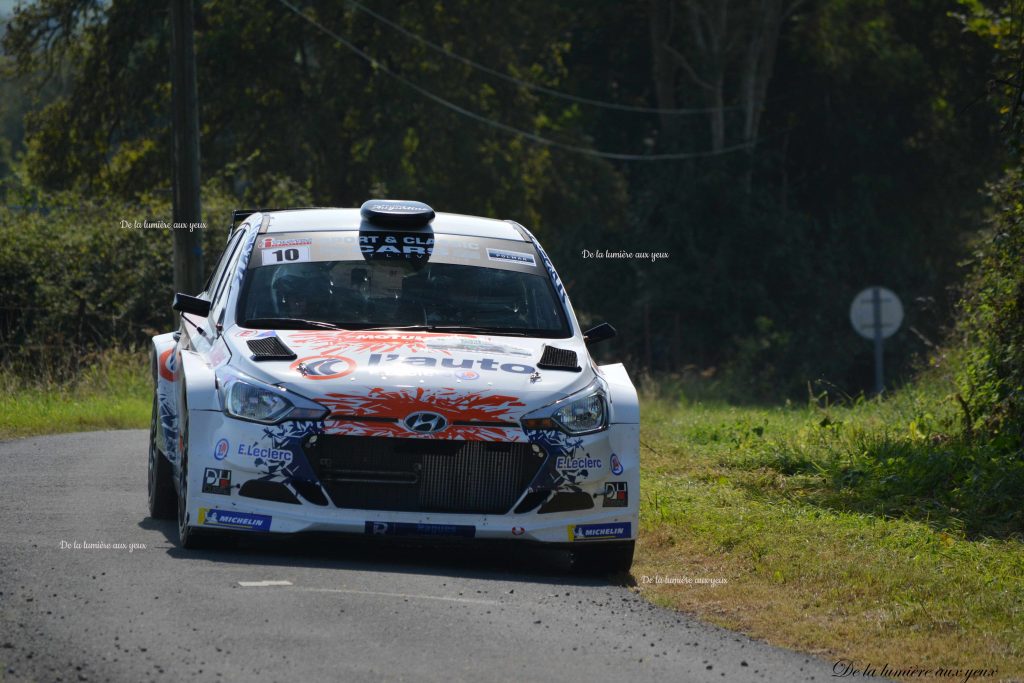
(587, 414)
(584, 413)
(249, 399)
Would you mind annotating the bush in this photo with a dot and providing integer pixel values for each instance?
(990, 327)
(73, 281)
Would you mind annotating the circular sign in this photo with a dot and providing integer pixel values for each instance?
(324, 367)
(876, 308)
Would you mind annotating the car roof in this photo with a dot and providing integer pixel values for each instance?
(311, 220)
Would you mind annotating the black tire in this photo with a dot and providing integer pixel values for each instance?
(189, 537)
(603, 558)
(160, 486)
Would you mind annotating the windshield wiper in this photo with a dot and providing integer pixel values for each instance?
(289, 323)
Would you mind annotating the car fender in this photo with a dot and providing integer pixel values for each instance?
(624, 404)
(163, 368)
(200, 382)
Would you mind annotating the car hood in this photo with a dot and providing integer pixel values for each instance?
(399, 371)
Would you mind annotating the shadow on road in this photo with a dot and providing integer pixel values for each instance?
(488, 560)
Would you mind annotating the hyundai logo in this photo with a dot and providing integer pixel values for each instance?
(425, 423)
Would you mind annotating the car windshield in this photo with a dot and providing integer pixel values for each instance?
(433, 283)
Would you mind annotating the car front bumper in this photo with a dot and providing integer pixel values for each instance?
(225, 454)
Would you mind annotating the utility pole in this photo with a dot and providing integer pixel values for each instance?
(188, 245)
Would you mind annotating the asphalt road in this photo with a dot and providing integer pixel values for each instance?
(350, 611)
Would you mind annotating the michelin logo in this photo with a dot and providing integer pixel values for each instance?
(234, 520)
(599, 532)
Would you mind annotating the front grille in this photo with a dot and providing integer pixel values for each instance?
(422, 475)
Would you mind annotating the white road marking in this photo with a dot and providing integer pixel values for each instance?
(263, 584)
(399, 595)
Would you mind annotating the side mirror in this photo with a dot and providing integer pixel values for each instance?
(183, 303)
(599, 333)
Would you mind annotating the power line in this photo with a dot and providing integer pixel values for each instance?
(526, 84)
(533, 137)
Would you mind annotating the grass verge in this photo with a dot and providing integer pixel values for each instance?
(111, 392)
(788, 524)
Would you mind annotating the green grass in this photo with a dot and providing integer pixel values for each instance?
(867, 531)
(113, 391)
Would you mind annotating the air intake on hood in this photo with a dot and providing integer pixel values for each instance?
(270, 348)
(558, 359)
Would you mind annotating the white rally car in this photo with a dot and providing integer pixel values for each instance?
(389, 371)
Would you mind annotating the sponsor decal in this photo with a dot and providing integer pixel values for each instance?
(567, 462)
(598, 532)
(616, 465)
(416, 529)
(220, 451)
(425, 422)
(265, 453)
(167, 365)
(217, 481)
(467, 374)
(330, 343)
(487, 364)
(324, 367)
(255, 334)
(274, 243)
(511, 257)
(518, 531)
(474, 345)
(615, 495)
(234, 520)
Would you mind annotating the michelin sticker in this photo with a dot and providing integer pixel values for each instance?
(598, 532)
(505, 256)
(234, 520)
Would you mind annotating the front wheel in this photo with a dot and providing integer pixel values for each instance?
(603, 558)
(160, 485)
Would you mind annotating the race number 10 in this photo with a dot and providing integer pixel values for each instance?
(285, 255)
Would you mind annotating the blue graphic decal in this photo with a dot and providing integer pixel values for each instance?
(288, 436)
(560, 448)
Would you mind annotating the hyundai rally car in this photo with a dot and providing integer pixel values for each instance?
(388, 371)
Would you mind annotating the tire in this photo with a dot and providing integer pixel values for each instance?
(189, 537)
(603, 558)
(160, 486)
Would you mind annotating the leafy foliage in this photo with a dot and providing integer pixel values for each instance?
(991, 322)
(74, 281)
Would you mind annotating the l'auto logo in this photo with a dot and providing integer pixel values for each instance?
(425, 423)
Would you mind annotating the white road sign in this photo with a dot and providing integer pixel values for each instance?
(888, 317)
